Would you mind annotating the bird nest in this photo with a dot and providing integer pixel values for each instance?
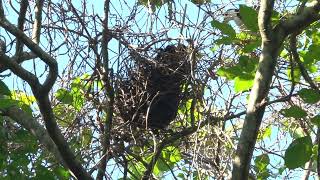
(150, 94)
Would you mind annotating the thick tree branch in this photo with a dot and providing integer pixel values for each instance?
(7, 63)
(264, 17)
(56, 135)
(41, 94)
(272, 40)
(29, 123)
(45, 57)
(307, 16)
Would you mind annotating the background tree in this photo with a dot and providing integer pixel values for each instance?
(79, 82)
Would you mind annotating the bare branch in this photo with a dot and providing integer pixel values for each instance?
(21, 19)
(51, 62)
(109, 90)
(37, 22)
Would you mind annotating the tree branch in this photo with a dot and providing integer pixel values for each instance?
(296, 57)
(36, 29)
(45, 57)
(21, 19)
(29, 123)
(106, 132)
(41, 94)
(307, 16)
(272, 40)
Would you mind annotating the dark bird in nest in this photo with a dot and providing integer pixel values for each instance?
(163, 110)
(158, 86)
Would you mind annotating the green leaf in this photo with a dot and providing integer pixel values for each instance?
(243, 83)
(64, 96)
(261, 163)
(248, 48)
(309, 95)
(248, 65)
(65, 113)
(78, 98)
(265, 133)
(62, 173)
(312, 68)
(296, 74)
(316, 120)
(4, 90)
(294, 111)
(181, 175)
(224, 28)
(275, 17)
(43, 173)
(251, 18)
(6, 103)
(86, 137)
(160, 167)
(172, 154)
(298, 153)
(224, 40)
(229, 72)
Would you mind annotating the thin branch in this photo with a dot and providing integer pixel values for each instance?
(296, 57)
(21, 20)
(36, 29)
(106, 133)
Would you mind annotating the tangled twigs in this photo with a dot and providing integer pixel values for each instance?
(149, 96)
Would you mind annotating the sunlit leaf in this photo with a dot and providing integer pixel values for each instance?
(294, 74)
(298, 153)
(261, 163)
(243, 83)
(265, 133)
(23, 97)
(64, 96)
(224, 28)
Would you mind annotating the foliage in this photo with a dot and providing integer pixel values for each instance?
(100, 61)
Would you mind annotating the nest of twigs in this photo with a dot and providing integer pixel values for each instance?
(150, 94)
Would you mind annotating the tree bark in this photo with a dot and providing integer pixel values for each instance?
(272, 39)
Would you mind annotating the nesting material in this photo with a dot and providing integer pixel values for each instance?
(149, 97)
